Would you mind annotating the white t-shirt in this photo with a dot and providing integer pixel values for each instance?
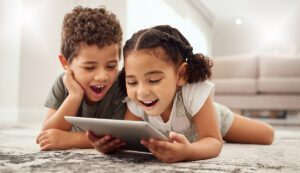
(187, 103)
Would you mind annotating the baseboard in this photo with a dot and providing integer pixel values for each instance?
(290, 120)
(9, 115)
(31, 115)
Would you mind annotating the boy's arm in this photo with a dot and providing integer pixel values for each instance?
(58, 139)
(55, 118)
(131, 116)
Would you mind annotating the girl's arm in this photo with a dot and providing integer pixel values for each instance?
(210, 143)
(180, 149)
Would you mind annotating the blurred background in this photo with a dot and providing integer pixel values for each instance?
(30, 38)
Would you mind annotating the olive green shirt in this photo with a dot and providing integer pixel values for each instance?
(111, 106)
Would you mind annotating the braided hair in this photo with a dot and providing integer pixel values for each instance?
(176, 47)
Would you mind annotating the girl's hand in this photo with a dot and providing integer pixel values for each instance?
(54, 139)
(105, 144)
(71, 84)
(169, 151)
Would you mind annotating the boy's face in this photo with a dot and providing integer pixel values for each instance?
(151, 82)
(95, 69)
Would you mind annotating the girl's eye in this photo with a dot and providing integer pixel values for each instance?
(155, 81)
(132, 83)
(89, 68)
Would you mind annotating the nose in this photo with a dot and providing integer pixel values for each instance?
(102, 76)
(143, 91)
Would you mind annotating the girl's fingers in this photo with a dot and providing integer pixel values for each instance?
(92, 137)
(112, 145)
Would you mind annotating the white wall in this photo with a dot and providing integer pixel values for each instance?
(10, 32)
(183, 15)
(262, 33)
(30, 44)
(40, 47)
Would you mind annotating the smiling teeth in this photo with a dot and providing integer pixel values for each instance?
(99, 86)
(148, 102)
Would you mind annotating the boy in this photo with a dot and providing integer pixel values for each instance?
(90, 51)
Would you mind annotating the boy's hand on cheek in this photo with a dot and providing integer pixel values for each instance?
(71, 84)
(169, 151)
(105, 144)
(54, 139)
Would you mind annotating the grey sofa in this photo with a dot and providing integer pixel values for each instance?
(258, 82)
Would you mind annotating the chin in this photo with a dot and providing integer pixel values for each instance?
(153, 113)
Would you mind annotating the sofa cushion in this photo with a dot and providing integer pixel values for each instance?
(282, 85)
(279, 66)
(235, 86)
(235, 67)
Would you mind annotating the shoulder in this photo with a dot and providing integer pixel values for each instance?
(194, 95)
(134, 108)
(59, 81)
(202, 88)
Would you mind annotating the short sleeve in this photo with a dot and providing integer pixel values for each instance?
(57, 94)
(194, 95)
(135, 109)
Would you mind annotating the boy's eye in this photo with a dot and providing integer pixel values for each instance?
(112, 66)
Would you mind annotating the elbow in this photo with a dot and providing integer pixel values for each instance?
(218, 149)
(269, 136)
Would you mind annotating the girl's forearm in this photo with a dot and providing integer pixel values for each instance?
(205, 148)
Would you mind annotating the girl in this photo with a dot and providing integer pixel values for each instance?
(167, 86)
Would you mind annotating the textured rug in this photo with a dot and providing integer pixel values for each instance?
(19, 153)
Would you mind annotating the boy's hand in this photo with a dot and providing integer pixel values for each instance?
(171, 151)
(104, 144)
(71, 84)
(54, 139)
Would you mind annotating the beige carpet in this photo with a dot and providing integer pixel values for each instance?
(19, 153)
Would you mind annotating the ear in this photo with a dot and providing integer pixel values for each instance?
(63, 61)
(182, 78)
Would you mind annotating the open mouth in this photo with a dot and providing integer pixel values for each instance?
(97, 88)
(149, 103)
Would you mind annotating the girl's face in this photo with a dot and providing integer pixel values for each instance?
(151, 82)
(95, 69)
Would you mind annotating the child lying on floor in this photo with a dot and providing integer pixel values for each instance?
(167, 86)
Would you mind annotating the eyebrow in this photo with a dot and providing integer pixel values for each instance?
(147, 74)
(89, 62)
(94, 62)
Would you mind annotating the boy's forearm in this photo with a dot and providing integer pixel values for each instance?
(69, 107)
(205, 148)
(80, 140)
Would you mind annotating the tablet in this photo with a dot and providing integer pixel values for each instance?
(129, 131)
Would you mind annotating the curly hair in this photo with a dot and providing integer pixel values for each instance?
(89, 26)
(176, 47)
